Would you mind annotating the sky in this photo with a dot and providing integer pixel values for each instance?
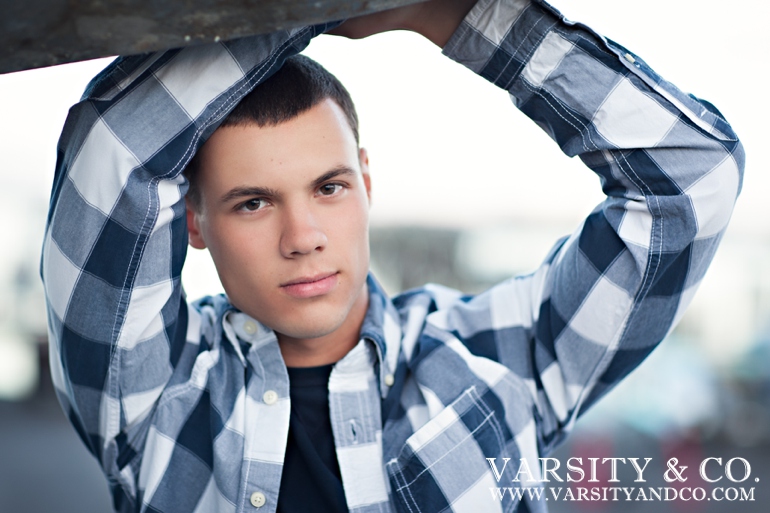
(446, 147)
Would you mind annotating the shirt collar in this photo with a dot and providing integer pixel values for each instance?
(381, 326)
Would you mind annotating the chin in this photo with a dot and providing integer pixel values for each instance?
(309, 323)
(306, 330)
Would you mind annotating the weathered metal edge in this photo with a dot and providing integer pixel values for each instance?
(39, 33)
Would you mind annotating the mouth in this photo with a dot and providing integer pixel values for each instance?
(311, 286)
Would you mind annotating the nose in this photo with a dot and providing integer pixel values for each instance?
(301, 233)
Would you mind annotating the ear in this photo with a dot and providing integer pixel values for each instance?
(195, 236)
(363, 159)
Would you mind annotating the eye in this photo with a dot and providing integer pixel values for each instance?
(252, 205)
(329, 189)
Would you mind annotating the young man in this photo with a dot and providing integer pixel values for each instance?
(192, 407)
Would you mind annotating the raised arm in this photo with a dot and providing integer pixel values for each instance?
(670, 166)
(121, 333)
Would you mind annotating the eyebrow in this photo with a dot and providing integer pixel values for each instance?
(333, 173)
(244, 191)
(247, 191)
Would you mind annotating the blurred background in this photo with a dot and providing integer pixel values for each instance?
(467, 191)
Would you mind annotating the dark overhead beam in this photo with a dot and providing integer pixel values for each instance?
(37, 33)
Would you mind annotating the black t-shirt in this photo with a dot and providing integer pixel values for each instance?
(311, 481)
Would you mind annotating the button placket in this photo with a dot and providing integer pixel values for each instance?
(267, 399)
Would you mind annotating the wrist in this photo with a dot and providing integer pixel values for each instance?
(437, 20)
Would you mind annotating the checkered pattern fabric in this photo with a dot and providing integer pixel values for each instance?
(186, 406)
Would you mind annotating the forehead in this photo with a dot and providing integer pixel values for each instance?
(311, 143)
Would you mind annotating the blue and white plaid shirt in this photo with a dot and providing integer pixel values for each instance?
(186, 406)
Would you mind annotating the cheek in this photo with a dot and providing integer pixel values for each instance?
(237, 238)
(235, 247)
(353, 234)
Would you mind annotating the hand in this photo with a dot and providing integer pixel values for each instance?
(435, 19)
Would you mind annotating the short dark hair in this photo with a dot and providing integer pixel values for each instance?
(299, 85)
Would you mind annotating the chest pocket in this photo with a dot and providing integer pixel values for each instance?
(443, 465)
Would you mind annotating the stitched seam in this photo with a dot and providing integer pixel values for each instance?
(516, 50)
(469, 435)
(584, 131)
(399, 476)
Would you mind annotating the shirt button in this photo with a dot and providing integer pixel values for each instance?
(250, 327)
(270, 397)
(257, 499)
(389, 379)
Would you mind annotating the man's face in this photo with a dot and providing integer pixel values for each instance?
(284, 211)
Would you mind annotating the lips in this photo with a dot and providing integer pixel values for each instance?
(311, 286)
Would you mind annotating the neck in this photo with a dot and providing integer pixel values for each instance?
(330, 348)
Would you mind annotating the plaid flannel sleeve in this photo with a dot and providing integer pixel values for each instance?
(671, 168)
(120, 330)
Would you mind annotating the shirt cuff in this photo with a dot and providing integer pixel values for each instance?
(497, 37)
